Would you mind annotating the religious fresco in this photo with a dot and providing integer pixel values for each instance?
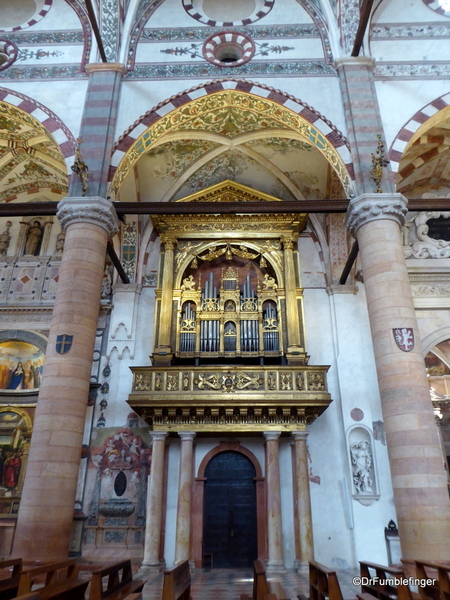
(11, 451)
(21, 366)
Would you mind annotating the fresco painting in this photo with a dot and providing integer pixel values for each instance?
(12, 425)
(21, 366)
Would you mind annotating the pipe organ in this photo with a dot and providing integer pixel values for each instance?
(224, 318)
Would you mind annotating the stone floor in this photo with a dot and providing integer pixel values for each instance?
(225, 584)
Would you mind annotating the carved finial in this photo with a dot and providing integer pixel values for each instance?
(378, 164)
(80, 168)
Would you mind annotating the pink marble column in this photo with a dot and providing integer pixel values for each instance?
(44, 524)
(418, 476)
(275, 562)
(153, 525)
(185, 482)
(302, 499)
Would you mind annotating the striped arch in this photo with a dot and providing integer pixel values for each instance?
(409, 129)
(59, 131)
(321, 124)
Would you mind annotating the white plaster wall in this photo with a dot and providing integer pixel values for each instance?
(60, 17)
(400, 11)
(65, 98)
(400, 100)
(138, 97)
(434, 327)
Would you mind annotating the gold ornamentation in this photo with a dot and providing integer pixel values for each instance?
(187, 326)
(286, 381)
(316, 382)
(210, 305)
(243, 252)
(184, 248)
(269, 283)
(213, 382)
(300, 382)
(229, 113)
(158, 382)
(288, 243)
(270, 325)
(272, 381)
(142, 382)
(172, 382)
(378, 164)
(188, 283)
(169, 243)
(185, 381)
(213, 253)
(80, 168)
(249, 304)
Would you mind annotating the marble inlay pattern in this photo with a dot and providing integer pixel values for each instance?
(423, 31)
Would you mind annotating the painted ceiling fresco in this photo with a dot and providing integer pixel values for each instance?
(29, 157)
(289, 169)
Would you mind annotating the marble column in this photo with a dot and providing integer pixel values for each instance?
(418, 476)
(185, 482)
(294, 344)
(153, 525)
(44, 524)
(302, 499)
(275, 562)
(163, 352)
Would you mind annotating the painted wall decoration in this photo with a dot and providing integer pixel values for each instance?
(11, 451)
(21, 366)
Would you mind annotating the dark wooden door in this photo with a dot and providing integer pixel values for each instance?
(229, 517)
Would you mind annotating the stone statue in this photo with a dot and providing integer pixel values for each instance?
(106, 281)
(34, 236)
(5, 238)
(59, 245)
(361, 456)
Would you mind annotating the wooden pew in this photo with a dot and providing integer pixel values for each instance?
(134, 597)
(323, 583)
(118, 586)
(32, 596)
(428, 570)
(61, 581)
(262, 588)
(9, 585)
(384, 591)
(177, 583)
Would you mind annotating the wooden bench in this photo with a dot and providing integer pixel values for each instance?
(118, 586)
(381, 590)
(323, 583)
(428, 570)
(60, 581)
(177, 583)
(32, 596)
(9, 582)
(262, 588)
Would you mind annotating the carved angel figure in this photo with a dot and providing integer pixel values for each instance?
(362, 465)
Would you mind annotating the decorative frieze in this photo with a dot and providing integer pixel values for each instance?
(223, 398)
(388, 31)
(408, 70)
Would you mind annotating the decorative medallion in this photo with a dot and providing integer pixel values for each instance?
(8, 53)
(357, 414)
(228, 49)
(63, 343)
(404, 338)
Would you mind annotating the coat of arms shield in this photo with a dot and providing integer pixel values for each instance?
(404, 338)
(63, 343)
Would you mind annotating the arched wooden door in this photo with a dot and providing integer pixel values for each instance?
(229, 517)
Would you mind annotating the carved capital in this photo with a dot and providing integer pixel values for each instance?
(158, 436)
(95, 210)
(300, 435)
(355, 61)
(271, 436)
(187, 436)
(370, 207)
(288, 243)
(169, 242)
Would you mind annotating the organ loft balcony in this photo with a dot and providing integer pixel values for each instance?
(229, 350)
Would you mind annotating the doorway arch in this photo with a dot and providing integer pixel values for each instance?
(199, 499)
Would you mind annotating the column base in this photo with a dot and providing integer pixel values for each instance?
(296, 356)
(162, 356)
(302, 568)
(146, 570)
(274, 568)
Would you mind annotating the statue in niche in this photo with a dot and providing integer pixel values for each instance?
(59, 245)
(361, 456)
(34, 237)
(5, 238)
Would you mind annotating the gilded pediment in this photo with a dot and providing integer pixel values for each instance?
(229, 191)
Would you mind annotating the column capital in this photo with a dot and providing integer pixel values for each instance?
(187, 436)
(95, 210)
(300, 435)
(158, 436)
(169, 242)
(109, 66)
(271, 435)
(288, 242)
(370, 207)
(355, 61)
